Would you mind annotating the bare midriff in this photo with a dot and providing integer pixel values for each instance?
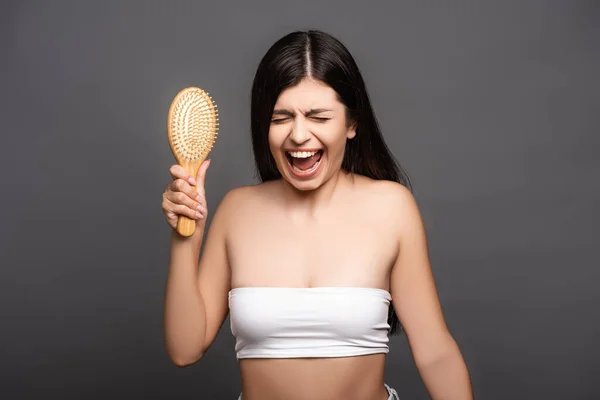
(342, 378)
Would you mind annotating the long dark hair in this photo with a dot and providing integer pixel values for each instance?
(318, 55)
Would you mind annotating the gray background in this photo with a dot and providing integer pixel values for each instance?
(493, 108)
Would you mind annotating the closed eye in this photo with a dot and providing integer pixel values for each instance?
(282, 120)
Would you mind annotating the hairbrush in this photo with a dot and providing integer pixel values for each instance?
(192, 128)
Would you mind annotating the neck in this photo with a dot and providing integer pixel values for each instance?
(312, 202)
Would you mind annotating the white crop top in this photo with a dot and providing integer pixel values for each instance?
(272, 322)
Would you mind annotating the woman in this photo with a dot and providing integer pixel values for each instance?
(319, 262)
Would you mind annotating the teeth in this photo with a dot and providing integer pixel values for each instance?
(302, 154)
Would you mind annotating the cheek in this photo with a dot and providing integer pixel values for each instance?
(334, 138)
(273, 137)
(277, 138)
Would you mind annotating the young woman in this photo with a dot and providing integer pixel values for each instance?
(319, 262)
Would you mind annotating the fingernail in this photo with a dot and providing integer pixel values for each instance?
(192, 180)
(200, 208)
(198, 215)
(198, 196)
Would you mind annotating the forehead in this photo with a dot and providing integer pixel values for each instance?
(308, 94)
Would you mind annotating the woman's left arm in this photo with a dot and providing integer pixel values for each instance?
(415, 299)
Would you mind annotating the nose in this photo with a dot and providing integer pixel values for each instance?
(300, 133)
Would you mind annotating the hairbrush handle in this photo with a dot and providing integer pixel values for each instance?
(186, 226)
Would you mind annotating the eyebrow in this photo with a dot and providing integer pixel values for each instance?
(308, 114)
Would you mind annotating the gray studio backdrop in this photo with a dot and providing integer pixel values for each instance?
(492, 107)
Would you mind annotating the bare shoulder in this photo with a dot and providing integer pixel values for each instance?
(391, 197)
(389, 190)
(235, 197)
(236, 200)
(392, 201)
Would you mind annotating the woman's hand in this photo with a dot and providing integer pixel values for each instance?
(185, 195)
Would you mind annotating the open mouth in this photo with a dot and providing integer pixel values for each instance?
(304, 162)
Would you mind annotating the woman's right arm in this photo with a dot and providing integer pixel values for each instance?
(196, 296)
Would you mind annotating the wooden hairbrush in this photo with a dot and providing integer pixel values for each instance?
(192, 128)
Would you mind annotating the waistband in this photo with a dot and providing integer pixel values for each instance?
(392, 394)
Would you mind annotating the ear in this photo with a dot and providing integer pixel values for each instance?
(351, 132)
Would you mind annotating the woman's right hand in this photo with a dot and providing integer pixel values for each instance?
(185, 195)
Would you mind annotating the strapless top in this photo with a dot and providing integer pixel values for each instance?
(275, 322)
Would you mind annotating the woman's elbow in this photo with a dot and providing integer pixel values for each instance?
(427, 352)
(181, 359)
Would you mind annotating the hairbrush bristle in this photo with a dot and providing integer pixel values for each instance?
(193, 125)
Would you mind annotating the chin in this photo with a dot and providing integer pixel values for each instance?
(304, 186)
